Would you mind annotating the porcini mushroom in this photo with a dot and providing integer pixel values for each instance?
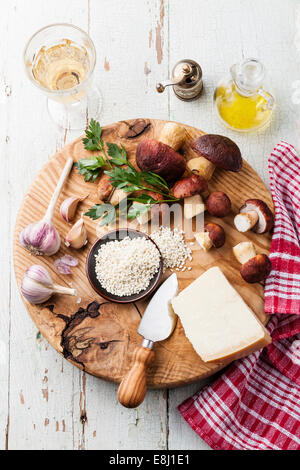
(161, 156)
(255, 268)
(213, 235)
(215, 150)
(190, 189)
(218, 204)
(254, 215)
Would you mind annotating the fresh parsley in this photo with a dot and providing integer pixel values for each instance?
(105, 211)
(93, 136)
(123, 175)
(90, 168)
(135, 210)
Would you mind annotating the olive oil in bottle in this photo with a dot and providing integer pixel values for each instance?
(240, 101)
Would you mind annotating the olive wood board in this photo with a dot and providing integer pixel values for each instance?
(100, 337)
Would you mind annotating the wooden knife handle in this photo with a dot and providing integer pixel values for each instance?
(133, 388)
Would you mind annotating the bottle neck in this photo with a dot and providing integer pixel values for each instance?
(248, 77)
(243, 92)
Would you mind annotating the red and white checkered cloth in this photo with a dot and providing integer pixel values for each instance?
(255, 404)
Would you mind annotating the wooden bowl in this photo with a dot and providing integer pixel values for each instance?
(119, 234)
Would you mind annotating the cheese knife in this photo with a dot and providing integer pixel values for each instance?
(157, 324)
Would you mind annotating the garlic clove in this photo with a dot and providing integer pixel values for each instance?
(69, 260)
(63, 265)
(69, 206)
(77, 236)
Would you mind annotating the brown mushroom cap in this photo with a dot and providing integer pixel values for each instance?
(160, 158)
(216, 234)
(189, 186)
(218, 204)
(256, 269)
(265, 217)
(219, 150)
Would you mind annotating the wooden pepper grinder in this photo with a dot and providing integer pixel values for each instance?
(186, 80)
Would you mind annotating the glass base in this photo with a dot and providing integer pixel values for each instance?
(76, 116)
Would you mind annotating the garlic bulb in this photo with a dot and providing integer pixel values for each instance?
(42, 238)
(68, 207)
(37, 285)
(77, 236)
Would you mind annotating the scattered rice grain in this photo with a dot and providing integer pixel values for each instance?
(172, 246)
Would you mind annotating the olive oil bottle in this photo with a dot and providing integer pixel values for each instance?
(240, 101)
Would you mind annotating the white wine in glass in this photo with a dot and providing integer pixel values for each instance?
(60, 60)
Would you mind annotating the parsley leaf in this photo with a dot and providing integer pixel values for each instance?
(90, 168)
(105, 211)
(92, 141)
(143, 199)
(155, 180)
(137, 209)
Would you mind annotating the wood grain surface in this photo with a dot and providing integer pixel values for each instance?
(100, 337)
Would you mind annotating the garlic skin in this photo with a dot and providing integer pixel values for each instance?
(69, 206)
(37, 286)
(42, 238)
(77, 236)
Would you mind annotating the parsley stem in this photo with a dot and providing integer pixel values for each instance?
(105, 154)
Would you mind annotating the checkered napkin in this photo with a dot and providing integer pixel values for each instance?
(255, 404)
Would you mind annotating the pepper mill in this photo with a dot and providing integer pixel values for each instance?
(186, 80)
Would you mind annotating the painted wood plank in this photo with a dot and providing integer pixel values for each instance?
(132, 50)
(218, 34)
(41, 383)
(5, 95)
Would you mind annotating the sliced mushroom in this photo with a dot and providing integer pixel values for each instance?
(255, 268)
(190, 189)
(254, 215)
(218, 204)
(216, 150)
(213, 235)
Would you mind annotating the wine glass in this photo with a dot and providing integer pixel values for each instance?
(60, 60)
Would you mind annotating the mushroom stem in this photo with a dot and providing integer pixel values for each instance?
(245, 221)
(201, 166)
(244, 251)
(213, 235)
(204, 240)
(173, 134)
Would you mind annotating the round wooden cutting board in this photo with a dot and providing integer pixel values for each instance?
(98, 336)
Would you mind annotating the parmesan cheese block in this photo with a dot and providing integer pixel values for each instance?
(217, 321)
